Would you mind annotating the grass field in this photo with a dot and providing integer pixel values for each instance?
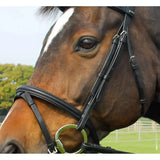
(145, 139)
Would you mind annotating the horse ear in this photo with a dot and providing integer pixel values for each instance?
(63, 9)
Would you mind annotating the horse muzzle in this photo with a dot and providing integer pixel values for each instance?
(12, 146)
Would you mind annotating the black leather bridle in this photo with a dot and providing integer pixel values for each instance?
(118, 42)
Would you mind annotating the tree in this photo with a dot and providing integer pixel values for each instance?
(11, 77)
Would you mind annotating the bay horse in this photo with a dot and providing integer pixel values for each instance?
(98, 70)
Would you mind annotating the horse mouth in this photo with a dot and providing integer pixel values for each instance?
(12, 147)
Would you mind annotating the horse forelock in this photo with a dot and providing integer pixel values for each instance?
(61, 22)
(47, 10)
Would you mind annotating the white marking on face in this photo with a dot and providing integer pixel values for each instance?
(58, 27)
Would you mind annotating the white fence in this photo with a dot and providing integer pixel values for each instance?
(141, 126)
(143, 131)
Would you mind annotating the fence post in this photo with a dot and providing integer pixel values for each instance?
(139, 130)
(156, 137)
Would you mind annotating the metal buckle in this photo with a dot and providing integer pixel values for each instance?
(131, 58)
(54, 151)
(115, 36)
(123, 36)
(123, 33)
(131, 12)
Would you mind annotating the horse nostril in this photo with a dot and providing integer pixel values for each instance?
(12, 147)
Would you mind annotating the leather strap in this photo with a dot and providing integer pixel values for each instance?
(50, 143)
(138, 78)
(124, 10)
(112, 58)
(57, 102)
(93, 148)
(122, 37)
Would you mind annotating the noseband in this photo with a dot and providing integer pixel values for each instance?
(30, 92)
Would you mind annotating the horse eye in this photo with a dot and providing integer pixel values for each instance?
(86, 44)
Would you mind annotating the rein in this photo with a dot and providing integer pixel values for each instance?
(30, 92)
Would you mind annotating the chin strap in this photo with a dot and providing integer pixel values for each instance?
(94, 148)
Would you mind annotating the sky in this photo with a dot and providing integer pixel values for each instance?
(22, 31)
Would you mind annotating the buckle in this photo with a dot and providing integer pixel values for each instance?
(53, 152)
(124, 32)
(123, 36)
(115, 36)
(131, 58)
(131, 13)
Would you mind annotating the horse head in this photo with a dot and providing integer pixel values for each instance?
(73, 54)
